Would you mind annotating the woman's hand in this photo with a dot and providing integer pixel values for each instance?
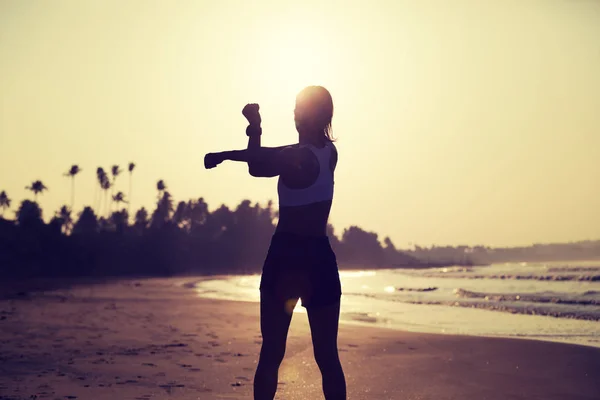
(251, 113)
(211, 160)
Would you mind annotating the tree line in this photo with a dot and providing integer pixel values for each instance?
(185, 237)
(182, 237)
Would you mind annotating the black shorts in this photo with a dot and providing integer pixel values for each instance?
(301, 267)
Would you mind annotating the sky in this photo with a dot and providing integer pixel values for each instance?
(458, 122)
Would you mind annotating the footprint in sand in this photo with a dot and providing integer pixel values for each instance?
(169, 386)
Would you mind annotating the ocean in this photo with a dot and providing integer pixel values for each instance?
(558, 301)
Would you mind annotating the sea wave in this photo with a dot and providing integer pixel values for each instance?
(587, 315)
(537, 277)
(559, 305)
(575, 269)
(546, 297)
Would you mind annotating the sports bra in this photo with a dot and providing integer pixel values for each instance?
(320, 190)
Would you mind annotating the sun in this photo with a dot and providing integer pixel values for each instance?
(291, 57)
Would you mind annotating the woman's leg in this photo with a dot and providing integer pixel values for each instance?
(324, 329)
(274, 326)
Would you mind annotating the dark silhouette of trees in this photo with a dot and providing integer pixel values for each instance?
(186, 237)
(29, 215)
(36, 187)
(63, 220)
(118, 220)
(361, 247)
(191, 239)
(87, 224)
(163, 211)
(141, 220)
(72, 172)
(130, 168)
(4, 202)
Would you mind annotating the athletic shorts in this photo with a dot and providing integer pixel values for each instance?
(302, 267)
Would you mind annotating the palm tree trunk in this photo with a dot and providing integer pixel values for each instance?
(72, 192)
(98, 202)
(129, 204)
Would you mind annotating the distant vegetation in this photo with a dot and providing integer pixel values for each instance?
(582, 250)
(174, 238)
(187, 238)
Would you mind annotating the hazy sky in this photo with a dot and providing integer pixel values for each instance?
(459, 122)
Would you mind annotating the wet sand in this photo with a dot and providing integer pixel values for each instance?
(155, 339)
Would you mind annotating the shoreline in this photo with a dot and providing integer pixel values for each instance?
(377, 320)
(154, 339)
(21, 290)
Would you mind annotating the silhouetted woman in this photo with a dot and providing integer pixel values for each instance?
(300, 262)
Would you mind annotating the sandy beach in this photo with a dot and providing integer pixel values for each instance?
(156, 339)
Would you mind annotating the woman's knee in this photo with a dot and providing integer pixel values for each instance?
(272, 355)
(327, 358)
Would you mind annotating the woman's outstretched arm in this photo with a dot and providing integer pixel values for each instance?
(258, 158)
(298, 167)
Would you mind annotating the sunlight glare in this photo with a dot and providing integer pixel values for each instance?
(290, 58)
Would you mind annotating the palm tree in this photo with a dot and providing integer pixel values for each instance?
(161, 186)
(64, 214)
(105, 185)
(119, 198)
(163, 211)
(115, 171)
(141, 219)
(74, 170)
(4, 202)
(130, 168)
(181, 214)
(36, 187)
(100, 176)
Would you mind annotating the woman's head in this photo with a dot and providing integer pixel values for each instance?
(313, 113)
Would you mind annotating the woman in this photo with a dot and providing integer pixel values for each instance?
(300, 262)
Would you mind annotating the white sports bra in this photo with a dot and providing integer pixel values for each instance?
(320, 190)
